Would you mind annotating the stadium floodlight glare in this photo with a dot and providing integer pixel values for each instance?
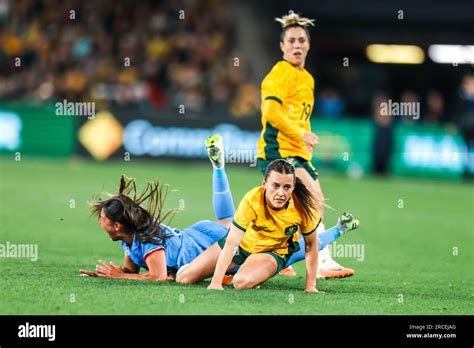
(451, 54)
(395, 54)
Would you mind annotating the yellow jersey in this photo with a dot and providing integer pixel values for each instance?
(294, 90)
(267, 229)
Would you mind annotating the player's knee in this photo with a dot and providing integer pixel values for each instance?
(184, 276)
(243, 282)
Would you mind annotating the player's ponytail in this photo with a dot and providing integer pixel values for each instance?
(305, 197)
(125, 208)
(292, 20)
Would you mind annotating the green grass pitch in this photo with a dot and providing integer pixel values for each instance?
(418, 258)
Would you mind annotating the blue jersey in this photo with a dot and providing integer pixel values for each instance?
(181, 247)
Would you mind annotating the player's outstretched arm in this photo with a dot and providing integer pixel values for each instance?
(225, 258)
(156, 262)
(311, 259)
(128, 267)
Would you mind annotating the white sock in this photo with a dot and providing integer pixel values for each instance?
(323, 256)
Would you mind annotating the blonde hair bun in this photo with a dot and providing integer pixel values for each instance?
(293, 18)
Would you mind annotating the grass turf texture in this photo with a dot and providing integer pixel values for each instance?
(408, 251)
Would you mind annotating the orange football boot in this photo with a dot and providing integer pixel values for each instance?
(288, 272)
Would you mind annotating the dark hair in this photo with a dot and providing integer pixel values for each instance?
(284, 30)
(304, 196)
(122, 208)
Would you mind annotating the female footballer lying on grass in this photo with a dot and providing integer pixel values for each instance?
(162, 250)
(146, 241)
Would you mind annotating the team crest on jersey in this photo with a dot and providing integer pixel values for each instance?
(291, 230)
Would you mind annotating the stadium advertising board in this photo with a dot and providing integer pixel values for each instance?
(36, 130)
(428, 151)
(344, 145)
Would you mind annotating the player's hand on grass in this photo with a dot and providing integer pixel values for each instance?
(312, 289)
(109, 270)
(215, 287)
(88, 273)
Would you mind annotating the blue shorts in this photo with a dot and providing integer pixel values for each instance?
(190, 243)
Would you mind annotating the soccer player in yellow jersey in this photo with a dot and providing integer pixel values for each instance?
(287, 104)
(263, 234)
(262, 238)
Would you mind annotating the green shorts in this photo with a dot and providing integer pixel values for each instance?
(298, 162)
(240, 257)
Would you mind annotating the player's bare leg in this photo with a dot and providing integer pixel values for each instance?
(201, 267)
(256, 269)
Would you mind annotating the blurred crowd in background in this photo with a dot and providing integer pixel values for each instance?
(124, 52)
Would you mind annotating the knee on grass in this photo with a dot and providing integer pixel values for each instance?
(243, 282)
(184, 276)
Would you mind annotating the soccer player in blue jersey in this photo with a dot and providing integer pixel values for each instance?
(162, 250)
(149, 243)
